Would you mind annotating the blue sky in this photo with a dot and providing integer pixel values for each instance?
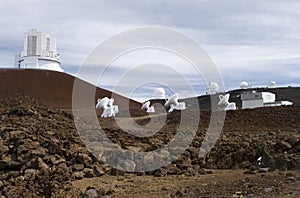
(256, 41)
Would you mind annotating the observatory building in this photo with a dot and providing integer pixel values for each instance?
(272, 84)
(244, 85)
(159, 93)
(212, 88)
(254, 99)
(39, 52)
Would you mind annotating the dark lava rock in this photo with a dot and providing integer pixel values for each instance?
(35, 150)
(41, 152)
(250, 172)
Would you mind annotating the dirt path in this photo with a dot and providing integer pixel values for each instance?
(222, 183)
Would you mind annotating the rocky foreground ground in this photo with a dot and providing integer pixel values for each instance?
(42, 155)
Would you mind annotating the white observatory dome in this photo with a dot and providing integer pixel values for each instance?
(159, 93)
(244, 85)
(39, 52)
(213, 85)
(213, 88)
(272, 84)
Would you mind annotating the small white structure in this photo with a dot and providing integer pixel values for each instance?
(224, 103)
(212, 88)
(149, 109)
(244, 85)
(253, 99)
(159, 93)
(173, 103)
(259, 160)
(272, 84)
(39, 52)
(286, 103)
(109, 110)
(279, 103)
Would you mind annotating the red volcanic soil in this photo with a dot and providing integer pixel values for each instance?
(49, 87)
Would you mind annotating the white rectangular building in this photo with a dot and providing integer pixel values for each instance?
(254, 100)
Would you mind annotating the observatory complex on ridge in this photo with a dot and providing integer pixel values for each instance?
(247, 97)
(39, 52)
(252, 99)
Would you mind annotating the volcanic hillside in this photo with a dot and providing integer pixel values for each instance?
(41, 152)
(49, 87)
